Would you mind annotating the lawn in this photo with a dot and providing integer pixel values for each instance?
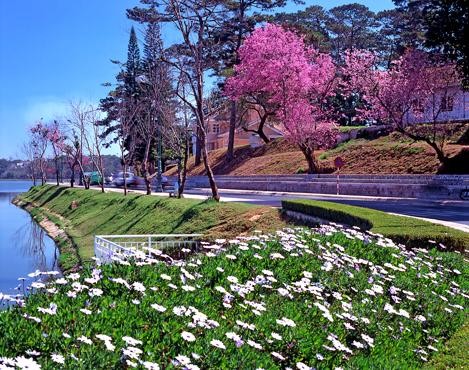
(114, 213)
(300, 299)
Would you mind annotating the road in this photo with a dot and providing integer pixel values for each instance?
(452, 211)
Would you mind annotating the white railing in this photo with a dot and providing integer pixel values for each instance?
(107, 246)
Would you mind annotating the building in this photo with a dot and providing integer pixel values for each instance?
(449, 104)
(219, 126)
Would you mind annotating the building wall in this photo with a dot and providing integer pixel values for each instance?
(458, 108)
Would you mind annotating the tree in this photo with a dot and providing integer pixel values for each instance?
(240, 18)
(296, 79)
(413, 89)
(193, 20)
(39, 142)
(311, 22)
(446, 26)
(157, 98)
(351, 26)
(55, 137)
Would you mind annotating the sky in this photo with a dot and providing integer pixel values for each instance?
(56, 51)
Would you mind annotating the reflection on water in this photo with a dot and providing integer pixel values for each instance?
(30, 238)
(24, 245)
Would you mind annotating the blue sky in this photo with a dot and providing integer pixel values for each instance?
(54, 51)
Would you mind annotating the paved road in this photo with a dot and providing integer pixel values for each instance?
(444, 210)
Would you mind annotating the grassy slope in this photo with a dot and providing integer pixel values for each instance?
(113, 213)
(410, 231)
(391, 154)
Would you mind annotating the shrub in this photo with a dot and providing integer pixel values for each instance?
(409, 231)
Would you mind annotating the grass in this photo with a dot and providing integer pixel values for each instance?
(350, 128)
(334, 297)
(410, 231)
(114, 213)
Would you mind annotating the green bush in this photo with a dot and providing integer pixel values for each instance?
(409, 231)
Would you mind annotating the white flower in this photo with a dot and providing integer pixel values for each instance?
(85, 311)
(217, 343)
(302, 366)
(95, 292)
(230, 257)
(84, 340)
(276, 336)
(254, 344)
(368, 340)
(139, 287)
(27, 363)
(158, 307)
(57, 358)
(189, 337)
(150, 365)
(420, 318)
(131, 341)
(165, 277)
(277, 355)
(183, 360)
(286, 322)
(232, 279)
(61, 281)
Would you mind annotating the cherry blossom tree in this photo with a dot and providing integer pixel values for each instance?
(410, 95)
(295, 80)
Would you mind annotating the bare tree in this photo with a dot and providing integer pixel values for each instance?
(193, 20)
(28, 152)
(39, 143)
(94, 141)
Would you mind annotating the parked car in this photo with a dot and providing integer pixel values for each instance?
(108, 179)
(94, 178)
(118, 179)
(165, 183)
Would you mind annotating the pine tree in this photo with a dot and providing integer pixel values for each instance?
(133, 64)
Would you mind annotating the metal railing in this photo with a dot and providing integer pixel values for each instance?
(108, 246)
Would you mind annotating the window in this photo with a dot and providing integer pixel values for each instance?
(418, 106)
(446, 103)
(216, 128)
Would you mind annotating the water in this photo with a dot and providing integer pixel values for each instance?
(24, 245)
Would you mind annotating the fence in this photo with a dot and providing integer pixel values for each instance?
(107, 246)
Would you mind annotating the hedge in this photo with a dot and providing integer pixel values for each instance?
(410, 231)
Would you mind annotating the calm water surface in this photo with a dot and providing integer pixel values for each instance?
(24, 246)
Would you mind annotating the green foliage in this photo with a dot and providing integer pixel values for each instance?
(114, 213)
(409, 231)
(341, 288)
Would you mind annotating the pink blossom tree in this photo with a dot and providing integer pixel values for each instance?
(295, 80)
(408, 96)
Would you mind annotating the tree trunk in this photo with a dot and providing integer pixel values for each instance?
(124, 166)
(72, 177)
(198, 147)
(182, 174)
(208, 170)
(57, 170)
(231, 133)
(313, 166)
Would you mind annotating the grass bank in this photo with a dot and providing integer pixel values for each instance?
(113, 213)
(410, 231)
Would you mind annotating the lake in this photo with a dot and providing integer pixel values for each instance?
(24, 245)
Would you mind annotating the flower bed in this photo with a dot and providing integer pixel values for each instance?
(302, 299)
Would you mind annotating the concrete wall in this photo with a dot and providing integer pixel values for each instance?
(411, 186)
